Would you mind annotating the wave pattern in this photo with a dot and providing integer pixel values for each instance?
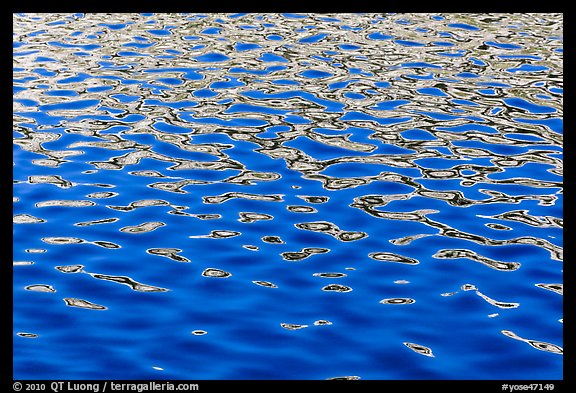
(427, 147)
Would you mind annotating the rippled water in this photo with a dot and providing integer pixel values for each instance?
(287, 196)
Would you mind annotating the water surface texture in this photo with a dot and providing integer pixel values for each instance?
(287, 196)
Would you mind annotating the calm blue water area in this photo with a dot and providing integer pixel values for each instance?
(467, 75)
(212, 57)
(271, 57)
(349, 47)
(315, 74)
(354, 96)
(418, 134)
(528, 106)
(442, 43)
(287, 196)
(274, 37)
(379, 36)
(503, 45)
(464, 26)
(243, 46)
(408, 43)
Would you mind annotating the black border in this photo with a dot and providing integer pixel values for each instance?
(334, 6)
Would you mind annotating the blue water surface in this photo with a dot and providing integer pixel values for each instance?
(287, 196)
